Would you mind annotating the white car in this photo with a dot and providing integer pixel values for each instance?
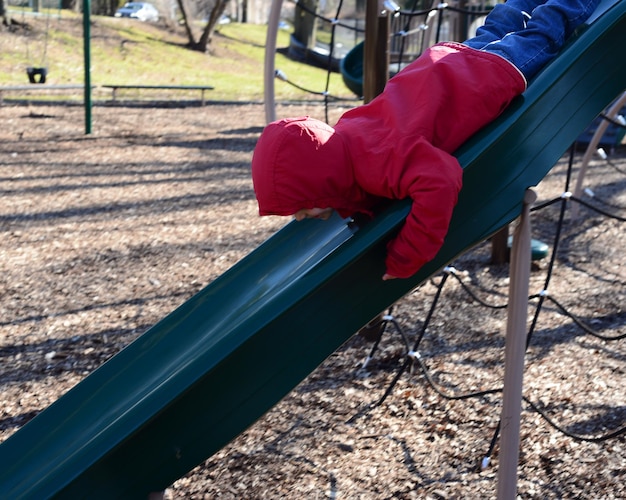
(138, 10)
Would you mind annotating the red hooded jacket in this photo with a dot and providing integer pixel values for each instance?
(397, 146)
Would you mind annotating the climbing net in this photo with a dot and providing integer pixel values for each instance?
(414, 30)
(612, 321)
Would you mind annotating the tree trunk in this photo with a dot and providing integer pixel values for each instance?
(207, 34)
(202, 44)
(4, 13)
(183, 12)
(70, 5)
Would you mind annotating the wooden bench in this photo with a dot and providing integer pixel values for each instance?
(201, 88)
(36, 88)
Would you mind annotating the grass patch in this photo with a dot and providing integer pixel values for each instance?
(128, 52)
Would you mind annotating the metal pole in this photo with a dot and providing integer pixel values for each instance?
(270, 54)
(514, 353)
(87, 56)
(593, 148)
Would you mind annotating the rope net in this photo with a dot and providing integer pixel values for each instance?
(604, 332)
(413, 30)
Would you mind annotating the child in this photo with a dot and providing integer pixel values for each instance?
(399, 145)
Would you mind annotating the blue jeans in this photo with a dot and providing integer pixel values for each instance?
(530, 33)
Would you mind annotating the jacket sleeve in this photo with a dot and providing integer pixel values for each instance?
(402, 148)
(432, 179)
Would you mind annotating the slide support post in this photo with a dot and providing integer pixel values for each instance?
(514, 352)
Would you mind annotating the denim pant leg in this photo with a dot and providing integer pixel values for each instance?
(546, 31)
(504, 18)
(501, 20)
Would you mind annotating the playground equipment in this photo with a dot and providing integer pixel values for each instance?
(351, 67)
(37, 74)
(426, 32)
(612, 113)
(212, 367)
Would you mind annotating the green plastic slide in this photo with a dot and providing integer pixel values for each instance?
(206, 372)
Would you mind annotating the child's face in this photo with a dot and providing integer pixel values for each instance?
(313, 213)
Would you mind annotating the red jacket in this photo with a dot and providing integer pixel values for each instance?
(397, 146)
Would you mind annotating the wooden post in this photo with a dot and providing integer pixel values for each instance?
(305, 24)
(375, 50)
(459, 25)
(500, 246)
(514, 354)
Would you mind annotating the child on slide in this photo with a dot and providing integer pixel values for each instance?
(400, 144)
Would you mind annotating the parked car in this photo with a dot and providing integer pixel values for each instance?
(138, 10)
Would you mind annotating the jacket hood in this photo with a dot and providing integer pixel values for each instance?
(302, 163)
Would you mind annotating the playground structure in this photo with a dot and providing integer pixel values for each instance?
(612, 113)
(394, 40)
(331, 257)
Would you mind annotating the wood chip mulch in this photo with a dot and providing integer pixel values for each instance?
(104, 234)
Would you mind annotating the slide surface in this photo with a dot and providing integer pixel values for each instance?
(206, 372)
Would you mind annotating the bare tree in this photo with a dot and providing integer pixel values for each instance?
(202, 43)
(4, 13)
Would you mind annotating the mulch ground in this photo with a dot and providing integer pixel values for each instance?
(104, 234)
